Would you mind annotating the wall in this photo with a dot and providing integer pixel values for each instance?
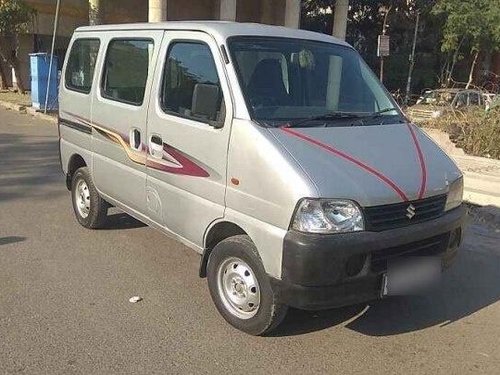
(179, 10)
(74, 13)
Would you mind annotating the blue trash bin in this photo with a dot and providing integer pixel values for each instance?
(39, 63)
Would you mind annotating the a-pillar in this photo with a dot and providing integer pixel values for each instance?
(157, 11)
(340, 18)
(95, 12)
(227, 10)
(292, 13)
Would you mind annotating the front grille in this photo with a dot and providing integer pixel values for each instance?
(428, 247)
(392, 216)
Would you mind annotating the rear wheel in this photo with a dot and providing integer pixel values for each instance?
(90, 209)
(240, 287)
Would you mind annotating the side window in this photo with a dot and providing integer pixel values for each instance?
(474, 98)
(81, 64)
(461, 100)
(126, 70)
(191, 86)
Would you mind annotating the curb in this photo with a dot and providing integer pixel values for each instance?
(43, 116)
(481, 189)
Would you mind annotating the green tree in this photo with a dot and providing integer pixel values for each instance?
(472, 25)
(15, 18)
(365, 24)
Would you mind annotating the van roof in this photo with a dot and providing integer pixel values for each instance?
(221, 30)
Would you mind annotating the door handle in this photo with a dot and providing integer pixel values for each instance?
(135, 139)
(156, 146)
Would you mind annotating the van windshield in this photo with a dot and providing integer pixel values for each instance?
(286, 79)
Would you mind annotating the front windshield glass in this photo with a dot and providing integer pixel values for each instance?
(292, 79)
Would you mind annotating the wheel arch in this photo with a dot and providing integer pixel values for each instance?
(216, 233)
(75, 161)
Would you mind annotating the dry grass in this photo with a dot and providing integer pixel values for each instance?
(477, 132)
(14, 97)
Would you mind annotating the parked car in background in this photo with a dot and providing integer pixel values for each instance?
(491, 100)
(434, 103)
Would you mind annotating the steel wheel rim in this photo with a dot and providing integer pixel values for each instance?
(238, 288)
(82, 198)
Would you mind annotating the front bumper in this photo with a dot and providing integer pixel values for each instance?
(326, 271)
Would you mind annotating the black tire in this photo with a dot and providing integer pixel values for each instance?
(98, 207)
(270, 312)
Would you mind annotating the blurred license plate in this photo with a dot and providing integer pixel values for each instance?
(410, 275)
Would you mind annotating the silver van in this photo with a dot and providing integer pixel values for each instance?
(276, 154)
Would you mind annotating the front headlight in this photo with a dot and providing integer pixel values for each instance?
(455, 194)
(327, 216)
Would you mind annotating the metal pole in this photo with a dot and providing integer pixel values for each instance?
(56, 23)
(384, 26)
(412, 61)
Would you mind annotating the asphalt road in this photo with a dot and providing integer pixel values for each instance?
(64, 294)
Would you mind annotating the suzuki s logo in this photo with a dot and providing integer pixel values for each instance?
(410, 211)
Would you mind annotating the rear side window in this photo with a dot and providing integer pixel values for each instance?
(474, 98)
(81, 65)
(126, 70)
(191, 86)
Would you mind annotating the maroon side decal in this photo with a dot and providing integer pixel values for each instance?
(173, 161)
(421, 160)
(347, 157)
(185, 165)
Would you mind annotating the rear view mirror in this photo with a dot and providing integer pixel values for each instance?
(206, 103)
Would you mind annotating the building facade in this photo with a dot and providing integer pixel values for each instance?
(75, 13)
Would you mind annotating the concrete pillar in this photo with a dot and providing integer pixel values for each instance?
(96, 16)
(157, 11)
(227, 10)
(340, 19)
(292, 14)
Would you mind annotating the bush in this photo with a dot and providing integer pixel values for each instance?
(477, 132)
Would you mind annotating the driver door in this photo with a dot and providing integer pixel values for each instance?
(188, 129)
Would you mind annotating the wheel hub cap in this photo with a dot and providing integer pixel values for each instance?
(238, 288)
(82, 198)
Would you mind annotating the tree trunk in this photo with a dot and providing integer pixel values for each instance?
(17, 71)
(454, 61)
(472, 69)
(16, 65)
(3, 79)
(12, 61)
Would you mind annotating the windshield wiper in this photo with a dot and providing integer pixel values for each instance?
(378, 113)
(324, 117)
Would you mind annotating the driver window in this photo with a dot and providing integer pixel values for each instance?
(191, 86)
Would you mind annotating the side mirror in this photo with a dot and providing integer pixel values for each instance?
(206, 103)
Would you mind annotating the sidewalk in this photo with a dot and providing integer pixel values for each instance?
(481, 175)
(22, 103)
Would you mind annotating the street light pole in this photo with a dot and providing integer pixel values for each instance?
(56, 23)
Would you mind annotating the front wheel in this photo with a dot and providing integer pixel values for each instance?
(90, 209)
(240, 287)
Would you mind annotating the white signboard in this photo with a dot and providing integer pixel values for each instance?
(383, 45)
